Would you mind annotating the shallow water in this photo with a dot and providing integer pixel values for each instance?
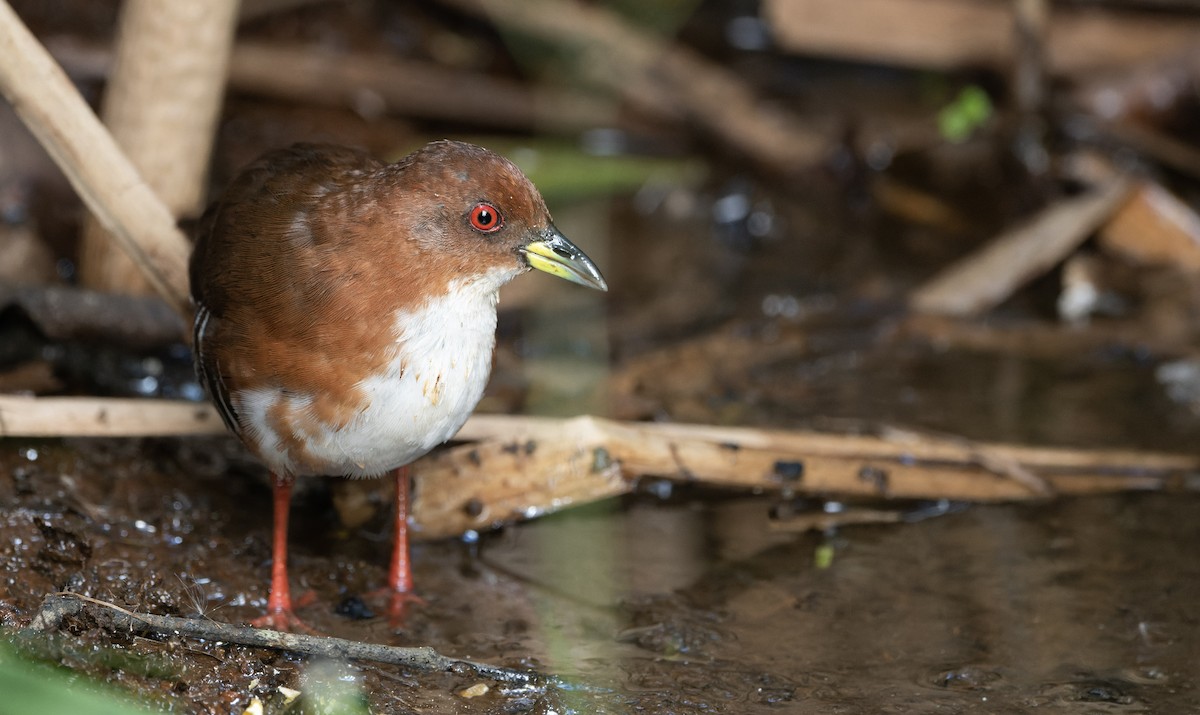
(1077, 606)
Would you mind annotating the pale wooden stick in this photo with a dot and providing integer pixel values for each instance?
(1031, 19)
(110, 186)
(988, 276)
(531, 466)
(22, 416)
(906, 446)
(946, 34)
(953, 34)
(499, 481)
(526, 466)
(161, 105)
(104, 417)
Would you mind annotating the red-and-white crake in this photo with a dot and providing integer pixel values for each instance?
(346, 311)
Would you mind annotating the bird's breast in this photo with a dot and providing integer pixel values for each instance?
(439, 364)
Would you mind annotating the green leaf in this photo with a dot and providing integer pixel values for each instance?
(971, 109)
(35, 688)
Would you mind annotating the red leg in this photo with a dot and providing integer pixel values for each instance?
(400, 580)
(400, 574)
(279, 604)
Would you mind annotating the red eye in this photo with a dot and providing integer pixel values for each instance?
(485, 217)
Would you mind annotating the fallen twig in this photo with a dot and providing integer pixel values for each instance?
(113, 617)
(529, 466)
(104, 417)
(519, 467)
(988, 276)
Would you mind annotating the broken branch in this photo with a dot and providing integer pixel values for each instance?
(115, 618)
(519, 467)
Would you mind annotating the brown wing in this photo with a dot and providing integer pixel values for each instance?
(251, 246)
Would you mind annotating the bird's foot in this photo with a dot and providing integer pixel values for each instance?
(283, 618)
(397, 604)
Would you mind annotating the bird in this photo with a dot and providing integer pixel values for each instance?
(345, 313)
